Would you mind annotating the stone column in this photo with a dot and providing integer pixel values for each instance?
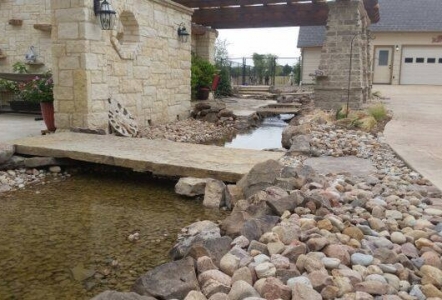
(204, 46)
(78, 50)
(347, 22)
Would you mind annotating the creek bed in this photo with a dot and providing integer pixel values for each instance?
(266, 136)
(49, 231)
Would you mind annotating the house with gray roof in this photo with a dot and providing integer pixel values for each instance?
(406, 49)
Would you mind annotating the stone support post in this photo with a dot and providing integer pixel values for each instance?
(346, 25)
(204, 44)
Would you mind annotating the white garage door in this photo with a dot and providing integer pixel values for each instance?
(421, 65)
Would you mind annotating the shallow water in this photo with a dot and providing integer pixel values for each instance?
(83, 223)
(266, 136)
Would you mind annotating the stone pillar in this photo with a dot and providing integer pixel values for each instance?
(347, 22)
(78, 51)
(204, 44)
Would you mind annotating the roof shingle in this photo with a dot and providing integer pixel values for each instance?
(396, 15)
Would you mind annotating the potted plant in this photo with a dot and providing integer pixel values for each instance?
(202, 73)
(8, 90)
(40, 90)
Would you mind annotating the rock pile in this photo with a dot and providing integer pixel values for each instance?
(295, 234)
(16, 171)
(189, 131)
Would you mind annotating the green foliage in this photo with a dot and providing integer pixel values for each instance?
(297, 72)
(341, 113)
(202, 73)
(378, 111)
(224, 86)
(19, 68)
(39, 89)
(376, 94)
(13, 86)
(286, 70)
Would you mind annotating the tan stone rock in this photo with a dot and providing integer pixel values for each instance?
(430, 290)
(431, 275)
(372, 287)
(304, 292)
(354, 233)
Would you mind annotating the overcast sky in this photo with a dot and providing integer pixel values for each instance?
(244, 42)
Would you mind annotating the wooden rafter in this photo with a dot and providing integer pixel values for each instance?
(229, 14)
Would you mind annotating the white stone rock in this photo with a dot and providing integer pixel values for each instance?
(229, 263)
(265, 269)
(214, 194)
(190, 186)
(398, 238)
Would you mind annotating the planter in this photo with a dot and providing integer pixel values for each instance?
(47, 111)
(25, 106)
(203, 93)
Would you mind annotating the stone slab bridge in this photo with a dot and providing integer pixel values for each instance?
(347, 22)
(160, 157)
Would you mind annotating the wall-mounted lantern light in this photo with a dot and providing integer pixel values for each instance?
(105, 12)
(397, 47)
(183, 35)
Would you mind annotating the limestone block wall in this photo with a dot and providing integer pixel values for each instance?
(17, 20)
(141, 63)
(347, 21)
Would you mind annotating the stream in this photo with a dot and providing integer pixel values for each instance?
(69, 239)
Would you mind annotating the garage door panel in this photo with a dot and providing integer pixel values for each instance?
(427, 71)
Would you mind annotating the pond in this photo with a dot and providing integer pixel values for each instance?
(266, 136)
(54, 236)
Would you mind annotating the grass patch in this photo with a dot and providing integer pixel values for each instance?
(378, 111)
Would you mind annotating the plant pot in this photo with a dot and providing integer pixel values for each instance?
(25, 106)
(203, 93)
(47, 111)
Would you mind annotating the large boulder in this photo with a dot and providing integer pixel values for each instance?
(6, 152)
(214, 194)
(190, 186)
(260, 177)
(291, 131)
(173, 280)
(290, 202)
(300, 145)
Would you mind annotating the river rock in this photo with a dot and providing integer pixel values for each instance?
(241, 289)
(338, 251)
(219, 296)
(260, 177)
(431, 275)
(433, 259)
(172, 280)
(273, 289)
(244, 274)
(229, 264)
(398, 238)
(114, 295)
(265, 269)
(288, 203)
(361, 259)
(205, 263)
(304, 292)
(291, 131)
(372, 287)
(190, 186)
(195, 295)
(300, 145)
(214, 194)
(430, 290)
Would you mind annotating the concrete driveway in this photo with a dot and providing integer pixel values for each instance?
(415, 132)
(15, 126)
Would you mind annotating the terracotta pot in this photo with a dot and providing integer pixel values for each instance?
(203, 93)
(47, 111)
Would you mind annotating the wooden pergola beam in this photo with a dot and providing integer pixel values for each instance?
(230, 14)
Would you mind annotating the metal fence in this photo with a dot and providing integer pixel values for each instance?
(279, 71)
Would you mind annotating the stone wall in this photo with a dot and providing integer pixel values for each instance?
(17, 21)
(141, 63)
(347, 22)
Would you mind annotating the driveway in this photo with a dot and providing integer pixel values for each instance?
(15, 126)
(415, 132)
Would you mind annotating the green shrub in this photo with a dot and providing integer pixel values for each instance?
(378, 111)
(224, 86)
(202, 73)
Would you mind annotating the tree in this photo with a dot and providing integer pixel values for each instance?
(286, 70)
(222, 63)
(264, 65)
(221, 53)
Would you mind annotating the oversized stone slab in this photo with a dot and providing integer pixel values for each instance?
(160, 157)
(358, 167)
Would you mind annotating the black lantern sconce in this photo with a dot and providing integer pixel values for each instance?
(105, 12)
(397, 47)
(183, 35)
